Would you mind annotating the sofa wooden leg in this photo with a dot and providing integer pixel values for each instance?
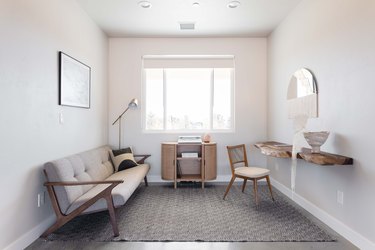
(112, 215)
(146, 183)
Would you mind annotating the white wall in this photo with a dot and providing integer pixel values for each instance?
(250, 92)
(32, 33)
(335, 39)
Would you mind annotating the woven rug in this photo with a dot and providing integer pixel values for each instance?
(161, 213)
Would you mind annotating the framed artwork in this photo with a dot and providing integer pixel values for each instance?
(75, 78)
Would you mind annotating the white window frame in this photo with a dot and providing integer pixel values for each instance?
(188, 131)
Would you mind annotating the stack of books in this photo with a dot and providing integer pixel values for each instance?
(189, 154)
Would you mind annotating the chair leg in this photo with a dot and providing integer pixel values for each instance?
(229, 186)
(244, 185)
(145, 179)
(269, 186)
(112, 215)
(255, 186)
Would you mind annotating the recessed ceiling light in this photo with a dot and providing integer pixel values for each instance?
(145, 4)
(233, 4)
(196, 4)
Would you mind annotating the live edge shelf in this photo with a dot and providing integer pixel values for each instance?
(282, 150)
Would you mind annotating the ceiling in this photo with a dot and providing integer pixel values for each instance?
(125, 18)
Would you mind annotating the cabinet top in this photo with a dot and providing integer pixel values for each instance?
(176, 143)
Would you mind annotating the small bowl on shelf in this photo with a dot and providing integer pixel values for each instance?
(316, 140)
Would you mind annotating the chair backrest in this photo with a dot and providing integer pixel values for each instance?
(237, 156)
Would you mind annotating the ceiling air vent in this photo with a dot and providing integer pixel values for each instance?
(187, 26)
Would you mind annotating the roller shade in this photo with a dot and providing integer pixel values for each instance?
(188, 61)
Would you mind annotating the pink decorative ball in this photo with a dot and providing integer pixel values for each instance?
(207, 138)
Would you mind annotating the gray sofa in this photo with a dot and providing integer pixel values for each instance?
(79, 184)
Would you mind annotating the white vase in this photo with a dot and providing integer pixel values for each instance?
(316, 140)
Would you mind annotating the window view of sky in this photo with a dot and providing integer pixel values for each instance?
(188, 99)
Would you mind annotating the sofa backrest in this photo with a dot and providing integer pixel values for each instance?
(92, 165)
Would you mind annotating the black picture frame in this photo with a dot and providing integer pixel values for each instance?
(74, 82)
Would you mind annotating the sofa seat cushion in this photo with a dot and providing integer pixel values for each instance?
(120, 194)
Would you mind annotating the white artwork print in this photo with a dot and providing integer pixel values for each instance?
(75, 82)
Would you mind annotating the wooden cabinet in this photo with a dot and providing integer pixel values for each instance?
(168, 161)
(209, 161)
(188, 162)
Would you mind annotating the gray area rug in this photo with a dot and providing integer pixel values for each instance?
(189, 213)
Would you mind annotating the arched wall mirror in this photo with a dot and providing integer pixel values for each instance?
(301, 84)
(302, 95)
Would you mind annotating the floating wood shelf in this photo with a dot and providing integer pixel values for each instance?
(282, 150)
(275, 149)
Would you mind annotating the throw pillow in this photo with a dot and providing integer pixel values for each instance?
(127, 150)
(123, 159)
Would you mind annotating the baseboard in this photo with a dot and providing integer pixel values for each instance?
(342, 229)
(29, 237)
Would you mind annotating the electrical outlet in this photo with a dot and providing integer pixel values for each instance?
(39, 199)
(61, 118)
(43, 198)
(340, 197)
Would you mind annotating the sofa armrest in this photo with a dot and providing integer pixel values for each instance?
(143, 158)
(64, 218)
(78, 183)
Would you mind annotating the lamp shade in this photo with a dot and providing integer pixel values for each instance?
(133, 103)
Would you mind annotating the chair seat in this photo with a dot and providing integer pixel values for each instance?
(252, 172)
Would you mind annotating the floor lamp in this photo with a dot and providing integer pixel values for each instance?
(132, 104)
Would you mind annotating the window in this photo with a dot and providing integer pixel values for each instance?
(188, 98)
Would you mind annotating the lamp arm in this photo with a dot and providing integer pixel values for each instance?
(119, 117)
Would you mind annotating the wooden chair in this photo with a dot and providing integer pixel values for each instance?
(240, 168)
